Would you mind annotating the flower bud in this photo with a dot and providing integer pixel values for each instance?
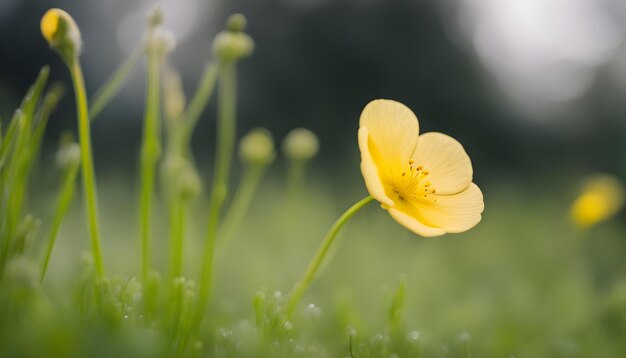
(257, 147)
(156, 17)
(236, 23)
(300, 144)
(233, 44)
(62, 33)
(160, 42)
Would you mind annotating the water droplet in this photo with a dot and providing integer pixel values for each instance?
(413, 336)
(465, 337)
(125, 316)
(313, 311)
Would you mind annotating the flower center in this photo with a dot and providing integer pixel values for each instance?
(412, 183)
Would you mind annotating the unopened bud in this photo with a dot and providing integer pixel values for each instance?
(300, 144)
(160, 42)
(232, 44)
(156, 17)
(62, 33)
(257, 147)
(236, 23)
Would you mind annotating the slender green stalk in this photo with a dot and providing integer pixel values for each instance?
(150, 153)
(66, 193)
(199, 101)
(112, 86)
(295, 177)
(89, 177)
(219, 190)
(320, 254)
(177, 236)
(240, 204)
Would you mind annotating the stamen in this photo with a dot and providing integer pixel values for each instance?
(427, 184)
(411, 161)
(419, 167)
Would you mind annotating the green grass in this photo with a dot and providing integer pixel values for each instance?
(521, 284)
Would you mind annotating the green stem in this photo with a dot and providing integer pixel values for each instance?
(112, 86)
(199, 101)
(295, 177)
(219, 190)
(150, 153)
(89, 177)
(66, 193)
(320, 254)
(177, 235)
(240, 204)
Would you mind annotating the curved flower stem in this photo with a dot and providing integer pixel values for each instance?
(225, 147)
(321, 252)
(150, 153)
(66, 193)
(241, 202)
(89, 177)
(112, 86)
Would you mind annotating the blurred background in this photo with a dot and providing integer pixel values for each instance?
(535, 90)
(531, 88)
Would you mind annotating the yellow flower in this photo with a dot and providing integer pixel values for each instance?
(424, 181)
(62, 33)
(601, 197)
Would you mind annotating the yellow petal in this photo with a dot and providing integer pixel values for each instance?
(409, 221)
(373, 181)
(453, 213)
(449, 166)
(393, 131)
(50, 24)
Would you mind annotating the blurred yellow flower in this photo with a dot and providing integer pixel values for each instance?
(424, 181)
(601, 197)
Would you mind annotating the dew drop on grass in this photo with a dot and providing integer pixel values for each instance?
(313, 311)
(125, 316)
(413, 336)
